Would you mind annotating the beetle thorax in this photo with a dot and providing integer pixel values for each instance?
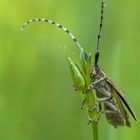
(96, 74)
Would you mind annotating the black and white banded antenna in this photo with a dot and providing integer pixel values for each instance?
(58, 25)
(99, 34)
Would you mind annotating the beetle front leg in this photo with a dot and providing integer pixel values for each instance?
(83, 103)
(92, 85)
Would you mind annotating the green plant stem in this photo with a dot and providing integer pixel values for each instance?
(95, 130)
(90, 97)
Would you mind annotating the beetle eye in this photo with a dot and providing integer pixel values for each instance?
(94, 73)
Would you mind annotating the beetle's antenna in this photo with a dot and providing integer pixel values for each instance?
(58, 25)
(99, 34)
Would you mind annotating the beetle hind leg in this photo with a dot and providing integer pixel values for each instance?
(103, 112)
(98, 102)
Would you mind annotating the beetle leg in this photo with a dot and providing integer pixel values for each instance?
(98, 102)
(111, 106)
(112, 109)
(83, 103)
(104, 92)
(90, 121)
(92, 85)
(102, 112)
(100, 109)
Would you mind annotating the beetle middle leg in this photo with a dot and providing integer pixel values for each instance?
(111, 109)
(98, 103)
(106, 97)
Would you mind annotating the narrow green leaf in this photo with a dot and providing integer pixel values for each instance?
(83, 63)
(88, 65)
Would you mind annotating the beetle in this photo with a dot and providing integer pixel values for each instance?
(110, 99)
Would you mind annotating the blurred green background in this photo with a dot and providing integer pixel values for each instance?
(37, 101)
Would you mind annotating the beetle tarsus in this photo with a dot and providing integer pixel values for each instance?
(83, 103)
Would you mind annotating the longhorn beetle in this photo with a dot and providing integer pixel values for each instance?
(110, 99)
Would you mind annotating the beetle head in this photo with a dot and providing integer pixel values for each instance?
(96, 73)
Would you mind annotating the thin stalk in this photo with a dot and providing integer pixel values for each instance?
(95, 130)
(90, 101)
